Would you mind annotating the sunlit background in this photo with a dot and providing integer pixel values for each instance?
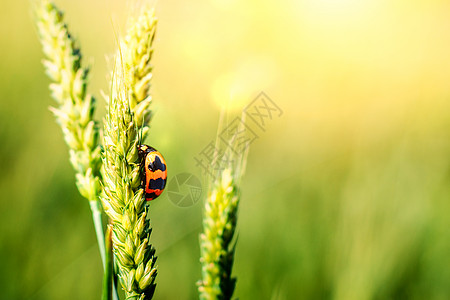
(346, 195)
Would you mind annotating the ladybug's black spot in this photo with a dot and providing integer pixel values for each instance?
(150, 196)
(158, 164)
(157, 184)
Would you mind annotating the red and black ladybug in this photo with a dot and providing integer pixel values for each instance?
(155, 171)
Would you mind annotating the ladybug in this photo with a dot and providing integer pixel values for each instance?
(155, 171)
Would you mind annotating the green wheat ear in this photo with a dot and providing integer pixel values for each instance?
(75, 108)
(219, 225)
(136, 54)
(124, 200)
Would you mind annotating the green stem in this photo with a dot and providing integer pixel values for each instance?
(108, 275)
(96, 210)
(97, 218)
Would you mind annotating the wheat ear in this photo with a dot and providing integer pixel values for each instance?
(136, 51)
(124, 200)
(75, 108)
(219, 225)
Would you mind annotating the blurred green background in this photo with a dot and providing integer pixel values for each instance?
(346, 195)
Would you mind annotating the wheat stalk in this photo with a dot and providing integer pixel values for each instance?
(108, 276)
(219, 225)
(75, 109)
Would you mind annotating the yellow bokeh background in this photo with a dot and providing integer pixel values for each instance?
(346, 194)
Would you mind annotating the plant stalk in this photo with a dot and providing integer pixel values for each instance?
(108, 274)
(96, 210)
(97, 218)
